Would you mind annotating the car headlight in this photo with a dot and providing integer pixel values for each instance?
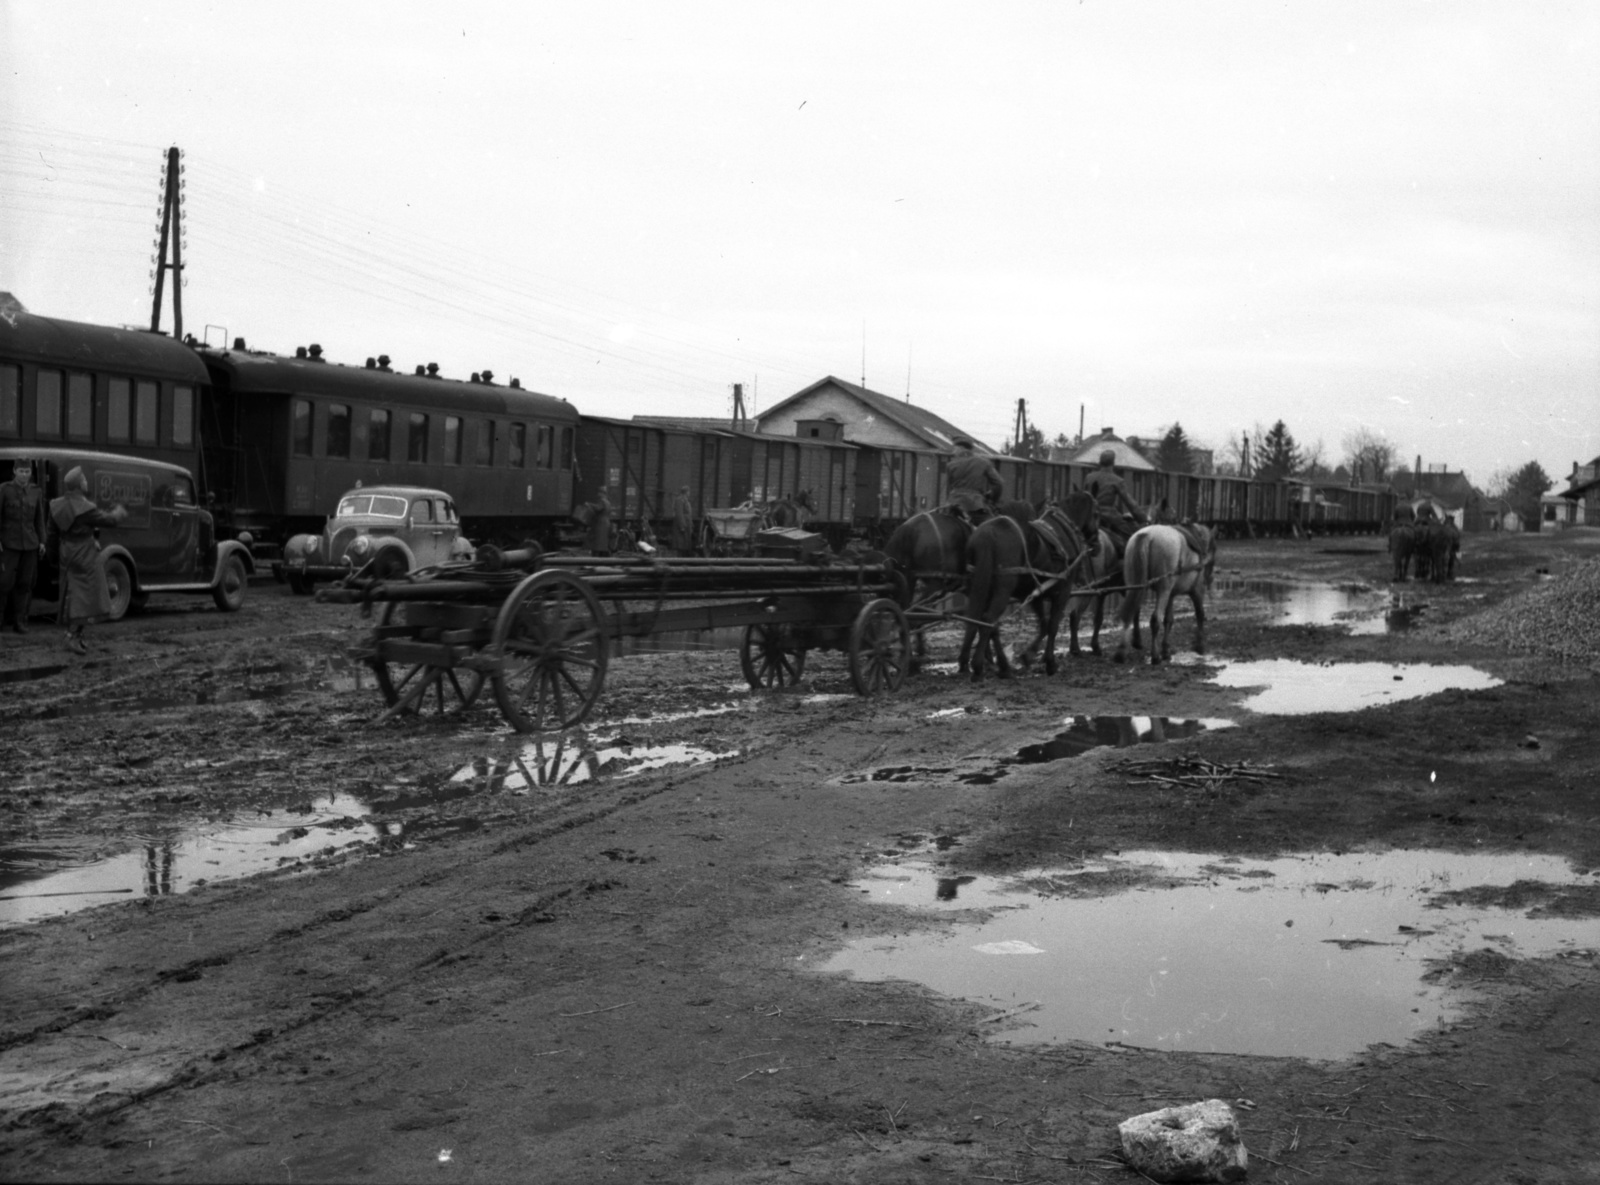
(360, 545)
(312, 542)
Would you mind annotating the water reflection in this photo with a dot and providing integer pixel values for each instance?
(572, 758)
(1315, 956)
(1357, 607)
(1292, 688)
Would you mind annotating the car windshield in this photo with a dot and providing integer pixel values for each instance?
(381, 505)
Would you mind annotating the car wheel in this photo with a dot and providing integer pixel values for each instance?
(389, 565)
(228, 592)
(119, 582)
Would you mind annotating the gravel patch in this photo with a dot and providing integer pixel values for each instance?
(1559, 620)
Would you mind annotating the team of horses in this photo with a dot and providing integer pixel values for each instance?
(1056, 560)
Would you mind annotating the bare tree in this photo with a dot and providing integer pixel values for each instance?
(1370, 454)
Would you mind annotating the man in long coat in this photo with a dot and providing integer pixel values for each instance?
(683, 523)
(21, 543)
(85, 597)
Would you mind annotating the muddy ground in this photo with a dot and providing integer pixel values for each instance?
(610, 979)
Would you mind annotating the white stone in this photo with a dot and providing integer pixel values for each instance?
(1199, 1142)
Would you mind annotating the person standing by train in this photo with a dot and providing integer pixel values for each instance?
(85, 597)
(600, 525)
(22, 528)
(683, 523)
(975, 484)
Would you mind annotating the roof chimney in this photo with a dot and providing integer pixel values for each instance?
(488, 376)
(299, 351)
(383, 362)
(315, 351)
(238, 343)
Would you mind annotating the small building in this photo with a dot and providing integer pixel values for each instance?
(833, 409)
(1468, 507)
(1583, 494)
(1087, 451)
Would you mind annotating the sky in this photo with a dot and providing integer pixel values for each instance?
(1342, 215)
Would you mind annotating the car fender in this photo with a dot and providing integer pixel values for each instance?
(392, 545)
(112, 551)
(231, 547)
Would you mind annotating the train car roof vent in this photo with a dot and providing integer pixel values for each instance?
(488, 376)
(474, 378)
(433, 370)
(299, 351)
(372, 363)
(238, 343)
(383, 362)
(516, 383)
(422, 371)
(316, 352)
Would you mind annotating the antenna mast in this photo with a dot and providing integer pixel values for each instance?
(863, 353)
(738, 405)
(1020, 428)
(171, 231)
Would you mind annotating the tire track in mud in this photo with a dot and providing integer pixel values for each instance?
(190, 1063)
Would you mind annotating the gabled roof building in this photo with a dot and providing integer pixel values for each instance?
(834, 409)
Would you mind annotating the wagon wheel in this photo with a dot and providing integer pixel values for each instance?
(551, 638)
(880, 648)
(771, 656)
(422, 689)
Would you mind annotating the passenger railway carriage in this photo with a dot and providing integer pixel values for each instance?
(275, 440)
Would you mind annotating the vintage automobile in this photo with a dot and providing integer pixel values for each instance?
(385, 530)
(166, 544)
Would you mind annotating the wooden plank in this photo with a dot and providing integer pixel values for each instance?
(433, 653)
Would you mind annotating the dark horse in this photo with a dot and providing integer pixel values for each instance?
(1403, 541)
(929, 554)
(791, 510)
(1035, 562)
(1163, 561)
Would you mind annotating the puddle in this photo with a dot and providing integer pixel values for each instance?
(331, 673)
(697, 713)
(1316, 956)
(34, 885)
(1082, 733)
(1292, 688)
(563, 761)
(25, 674)
(1358, 607)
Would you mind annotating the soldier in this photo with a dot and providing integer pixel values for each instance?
(683, 523)
(84, 594)
(975, 484)
(600, 525)
(1118, 513)
(22, 527)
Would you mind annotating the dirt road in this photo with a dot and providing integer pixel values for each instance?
(561, 964)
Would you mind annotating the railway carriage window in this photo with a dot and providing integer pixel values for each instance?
(300, 433)
(517, 450)
(566, 448)
(119, 411)
(541, 446)
(10, 401)
(378, 435)
(338, 430)
(417, 438)
(144, 412)
(47, 404)
(182, 416)
(486, 442)
(80, 407)
(452, 440)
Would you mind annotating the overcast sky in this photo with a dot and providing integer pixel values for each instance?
(1344, 215)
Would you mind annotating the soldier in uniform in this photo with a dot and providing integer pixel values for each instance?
(975, 484)
(600, 525)
(683, 523)
(22, 527)
(1118, 512)
(85, 596)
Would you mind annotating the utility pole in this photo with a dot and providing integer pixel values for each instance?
(738, 405)
(171, 231)
(1019, 430)
(1244, 455)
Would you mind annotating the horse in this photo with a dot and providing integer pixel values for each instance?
(1166, 560)
(1103, 567)
(1033, 561)
(791, 510)
(1437, 545)
(928, 552)
(1403, 543)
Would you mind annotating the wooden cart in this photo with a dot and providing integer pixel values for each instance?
(540, 628)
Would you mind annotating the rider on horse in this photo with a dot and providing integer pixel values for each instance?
(975, 484)
(1112, 498)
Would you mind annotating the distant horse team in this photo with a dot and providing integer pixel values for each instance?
(1058, 561)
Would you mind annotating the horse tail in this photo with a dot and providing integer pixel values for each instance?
(1136, 576)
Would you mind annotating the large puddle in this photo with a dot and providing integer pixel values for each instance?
(1291, 688)
(1359, 608)
(1316, 956)
(44, 880)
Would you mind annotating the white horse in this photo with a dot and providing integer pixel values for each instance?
(1166, 560)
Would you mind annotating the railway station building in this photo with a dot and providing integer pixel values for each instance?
(834, 409)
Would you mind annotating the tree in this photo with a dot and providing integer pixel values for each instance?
(1370, 455)
(1314, 463)
(1173, 454)
(1524, 488)
(1278, 456)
